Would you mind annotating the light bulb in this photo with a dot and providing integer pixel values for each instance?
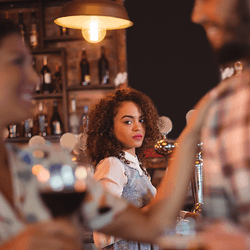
(93, 33)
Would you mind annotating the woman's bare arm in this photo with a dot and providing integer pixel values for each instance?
(145, 226)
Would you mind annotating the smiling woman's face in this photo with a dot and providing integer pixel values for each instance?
(17, 80)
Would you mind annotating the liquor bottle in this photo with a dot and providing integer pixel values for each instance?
(74, 122)
(46, 74)
(22, 27)
(13, 131)
(42, 121)
(56, 122)
(34, 39)
(57, 80)
(28, 128)
(103, 67)
(64, 31)
(84, 122)
(39, 82)
(84, 67)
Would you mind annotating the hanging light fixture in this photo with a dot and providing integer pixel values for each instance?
(93, 17)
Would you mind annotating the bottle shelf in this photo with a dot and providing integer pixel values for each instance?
(47, 96)
(90, 87)
(47, 51)
(59, 45)
(52, 138)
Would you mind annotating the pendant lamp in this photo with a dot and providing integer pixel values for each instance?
(93, 17)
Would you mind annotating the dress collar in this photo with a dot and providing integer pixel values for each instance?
(134, 162)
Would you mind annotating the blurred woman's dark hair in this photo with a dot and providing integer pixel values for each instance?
(100, 141)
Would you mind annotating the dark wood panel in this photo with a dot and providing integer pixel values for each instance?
(90, 87)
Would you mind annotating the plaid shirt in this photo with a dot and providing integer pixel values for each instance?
(226, 153)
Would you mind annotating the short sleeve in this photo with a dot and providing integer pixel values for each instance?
(111, 173)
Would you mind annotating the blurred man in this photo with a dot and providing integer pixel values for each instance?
(226, 131)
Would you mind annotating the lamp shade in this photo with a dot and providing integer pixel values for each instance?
(76, 14)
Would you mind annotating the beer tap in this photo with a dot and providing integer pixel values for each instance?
(197, 178)
(197, 181)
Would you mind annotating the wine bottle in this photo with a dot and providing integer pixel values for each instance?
(42, 121)
(34, 39)
(84, 67)
(46, 74)
(22, 27)
(39, 82)
(74, 122)
(56, 122)
(84, 122)
(28, 128)
(103, 67)
(57, 80)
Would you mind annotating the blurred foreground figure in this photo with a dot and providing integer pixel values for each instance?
(20, 206)
(226, 129)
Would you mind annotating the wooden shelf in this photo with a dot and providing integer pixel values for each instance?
(90, 87)
(47, 96)
(47, 51)
(58, 48)
(52, 138)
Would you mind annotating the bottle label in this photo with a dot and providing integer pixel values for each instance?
(13, 131)
(31, 122)
(47, 78)
(28, 126)
(86, 80)
(74, 120)
(23, 36)
(42, 123)
(33, 40)
(57, 128)
(105, 79)
(38, 87)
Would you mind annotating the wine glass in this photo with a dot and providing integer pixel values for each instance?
(61, 183)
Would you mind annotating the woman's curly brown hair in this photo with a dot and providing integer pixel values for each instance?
(100, 141)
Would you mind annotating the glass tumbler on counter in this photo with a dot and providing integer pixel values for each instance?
(185, 234)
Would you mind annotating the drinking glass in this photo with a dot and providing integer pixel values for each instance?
(61, 182)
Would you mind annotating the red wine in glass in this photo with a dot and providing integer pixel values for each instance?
(62, 203)
(59, 192)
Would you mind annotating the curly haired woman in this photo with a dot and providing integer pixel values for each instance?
(120, 127)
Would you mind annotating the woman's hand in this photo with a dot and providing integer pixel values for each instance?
(58, 234)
